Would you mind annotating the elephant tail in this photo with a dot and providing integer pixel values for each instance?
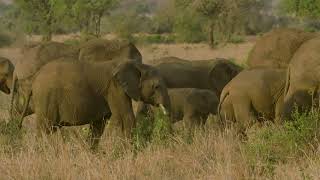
(222, 99)
(287, 81)
(25, 108)
(13, 91)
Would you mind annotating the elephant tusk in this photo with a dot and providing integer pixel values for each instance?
(163, 109)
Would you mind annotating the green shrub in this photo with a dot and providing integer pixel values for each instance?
(142, 132)
(189, 28)
(155, 39)
(154, 129)
(273, 144)
(236, 39)
(5, 39)
(72, 42)
(162, 128)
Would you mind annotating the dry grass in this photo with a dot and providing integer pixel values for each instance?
(211, 156)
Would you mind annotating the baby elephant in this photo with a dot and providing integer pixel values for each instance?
(191, 105)
(255, 94)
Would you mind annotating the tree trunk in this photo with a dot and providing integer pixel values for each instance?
(48, 24)
(97, 21)
(211, 37)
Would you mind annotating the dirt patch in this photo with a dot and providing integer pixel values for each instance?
(238, 52)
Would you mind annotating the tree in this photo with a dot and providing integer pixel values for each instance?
(301, 8)
(88, 14)
(41, 15)
(223, 16)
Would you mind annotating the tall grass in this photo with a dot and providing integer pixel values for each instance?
(291, 151)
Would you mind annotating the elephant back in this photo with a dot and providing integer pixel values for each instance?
(276, 48)
(211, 74)
(306, 61)
(97, 50)
(37, 55)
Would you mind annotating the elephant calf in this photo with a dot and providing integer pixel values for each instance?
(254, 94)
(191, 105)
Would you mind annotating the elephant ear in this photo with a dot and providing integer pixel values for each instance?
(129, 77)
(221, 73)
(6, 72)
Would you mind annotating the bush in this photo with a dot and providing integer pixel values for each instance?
(5, 39)
(236, 39)
(72, 42)
(154, 129)
(272, 144)
(155, 39)
(189, 28)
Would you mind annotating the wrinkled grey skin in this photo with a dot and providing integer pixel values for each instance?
(67, 93)
(202, 74)
(252, 96)
(6, 72)
(212, 75)
(36, 55)
(303, 79)
(97, 50)
(193, 106)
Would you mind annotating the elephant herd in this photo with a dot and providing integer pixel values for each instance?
(95, 83)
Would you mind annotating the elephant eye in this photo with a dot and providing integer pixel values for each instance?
(156, 86)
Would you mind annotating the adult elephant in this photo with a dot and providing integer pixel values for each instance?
(253, 95)
(97, 50)
(303, 78)
(38, 54)
(276, 48)
(202, 74)
(68, 93)
(34, 57)
(6, 72)
(211, 75)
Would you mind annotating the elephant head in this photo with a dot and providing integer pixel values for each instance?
(6, 74)
(222, 72)
(132, 80)
(143, 83)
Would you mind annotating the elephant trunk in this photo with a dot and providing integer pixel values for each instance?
(165, 104)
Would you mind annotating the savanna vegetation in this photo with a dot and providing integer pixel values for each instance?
(157, 149)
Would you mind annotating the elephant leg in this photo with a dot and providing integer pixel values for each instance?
(243, 114)
(97, 129)
(278, 111)
(47, 113)
(122, 121)
(226, 113)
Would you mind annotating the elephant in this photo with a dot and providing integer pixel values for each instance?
(212, 75)
(191, 105)
(38, 54)
(103, 50)
(70, 93)
(303, 79)
(254, 95)
(276, 48)
(6, 72)
(34, 57)
(202, 74)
